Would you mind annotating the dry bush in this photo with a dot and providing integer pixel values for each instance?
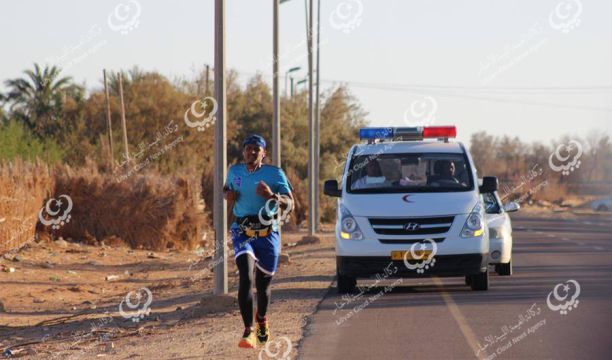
(300, 209)
(145, 210)
(207, 183)
(541, 192)
(552, 191)
(328, 209)
(23, 187)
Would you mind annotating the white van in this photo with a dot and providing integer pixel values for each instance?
(409, 197)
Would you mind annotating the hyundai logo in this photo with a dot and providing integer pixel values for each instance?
(411, 227)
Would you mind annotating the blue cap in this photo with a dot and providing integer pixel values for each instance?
(254, 139)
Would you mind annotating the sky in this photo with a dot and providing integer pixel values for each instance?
(533, 69)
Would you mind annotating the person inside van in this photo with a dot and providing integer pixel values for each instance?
(373, 178)
(444, 172)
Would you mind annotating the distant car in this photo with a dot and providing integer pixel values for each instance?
(500, 232)
(604, 204)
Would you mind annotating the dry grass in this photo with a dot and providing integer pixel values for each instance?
(23, 188)
(145, 210)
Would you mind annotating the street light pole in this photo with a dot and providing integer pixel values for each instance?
(312, 203)
(317, 117)
(276, 133)
(297, 68)
(220, 207)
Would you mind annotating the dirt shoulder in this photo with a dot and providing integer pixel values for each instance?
(62, 301)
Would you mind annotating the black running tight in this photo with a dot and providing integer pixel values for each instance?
(246, 265)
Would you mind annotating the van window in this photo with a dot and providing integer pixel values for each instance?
(404, 173)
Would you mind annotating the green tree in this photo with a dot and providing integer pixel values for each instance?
(37, 99)
(18, 142)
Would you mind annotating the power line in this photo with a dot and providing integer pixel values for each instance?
(487, 89)
(453, 91)
(486, 98)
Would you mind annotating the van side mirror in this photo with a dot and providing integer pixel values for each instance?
(489, 184)
(330, 188)
(512, 207)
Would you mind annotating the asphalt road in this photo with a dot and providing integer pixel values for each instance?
(442, 318)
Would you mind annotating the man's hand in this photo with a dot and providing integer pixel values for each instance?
(230, 195)
(264, 190)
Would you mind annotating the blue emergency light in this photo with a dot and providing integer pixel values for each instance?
(376, 133)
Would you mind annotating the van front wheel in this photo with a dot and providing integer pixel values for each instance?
(346, 284)
(480, 281)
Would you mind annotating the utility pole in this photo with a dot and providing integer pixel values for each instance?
(312, 203)
(206, 91)
(109, 123)
(220, 205)
(317, 118)
(276, 126)
(126, 151)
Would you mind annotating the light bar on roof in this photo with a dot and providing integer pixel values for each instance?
(408, 133)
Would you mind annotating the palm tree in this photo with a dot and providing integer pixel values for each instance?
(37, 99)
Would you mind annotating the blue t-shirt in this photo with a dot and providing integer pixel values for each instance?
(239, 179)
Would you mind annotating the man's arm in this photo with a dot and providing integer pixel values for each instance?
(284, 200)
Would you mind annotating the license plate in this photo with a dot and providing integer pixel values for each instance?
(420, 255)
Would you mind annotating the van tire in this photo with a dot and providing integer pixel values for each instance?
(504, 269)
(480, 282)
(468, 280)
(346, 284)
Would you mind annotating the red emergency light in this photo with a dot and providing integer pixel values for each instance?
(439, 132)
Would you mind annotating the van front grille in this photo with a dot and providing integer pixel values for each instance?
(412, 226)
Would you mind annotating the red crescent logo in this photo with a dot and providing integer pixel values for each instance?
(405, 198)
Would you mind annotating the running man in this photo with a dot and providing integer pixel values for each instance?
(252, 187)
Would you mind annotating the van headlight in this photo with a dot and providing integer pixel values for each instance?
(348, 226)
(474, 224)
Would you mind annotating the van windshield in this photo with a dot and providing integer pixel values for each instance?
(404, 173)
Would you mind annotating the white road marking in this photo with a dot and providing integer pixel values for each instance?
(599, 248)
